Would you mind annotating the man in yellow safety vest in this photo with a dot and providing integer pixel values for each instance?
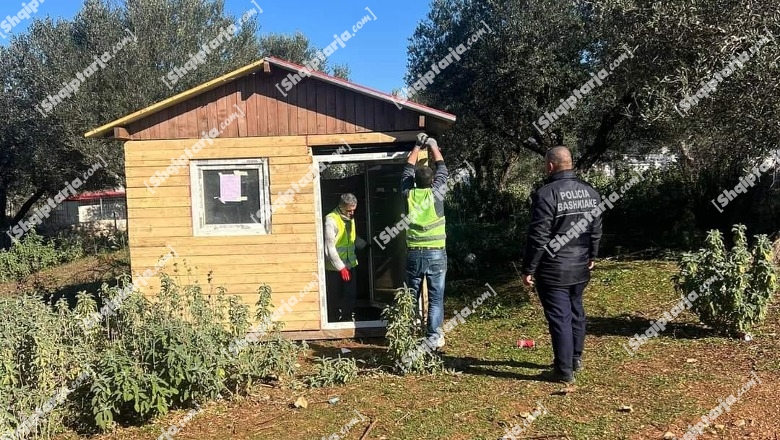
(341, 240)
(426, 237)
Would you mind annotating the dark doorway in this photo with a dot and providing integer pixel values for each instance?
(380, 269)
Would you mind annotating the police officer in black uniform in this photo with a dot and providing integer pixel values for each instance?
(562, 242)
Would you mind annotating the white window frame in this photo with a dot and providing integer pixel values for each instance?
(199, 226)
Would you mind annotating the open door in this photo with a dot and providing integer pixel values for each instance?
(388, 260)
(374, 178)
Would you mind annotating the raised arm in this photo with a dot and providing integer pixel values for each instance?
(440, 178)
(407, 177)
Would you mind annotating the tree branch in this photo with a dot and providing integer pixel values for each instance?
(601, 144)
(25, 208)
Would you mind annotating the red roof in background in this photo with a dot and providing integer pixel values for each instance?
(96, 195)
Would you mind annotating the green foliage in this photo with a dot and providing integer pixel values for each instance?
(495, 310)
(148, 357)
(405, 336)
(299, 49)
(487, 223)
(657, 211)
(34, 253)
(538, 52)
(96, 241)
(331, 372)
(736, 287)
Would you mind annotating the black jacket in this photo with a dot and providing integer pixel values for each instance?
(564, 232)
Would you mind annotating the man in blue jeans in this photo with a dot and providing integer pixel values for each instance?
(426, 236)
(562, 242)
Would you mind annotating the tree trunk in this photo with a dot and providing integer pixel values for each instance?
(5, 240)
(25, 208)
(6, 222)
(506, 169)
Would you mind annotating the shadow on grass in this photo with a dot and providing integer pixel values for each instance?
(68, 293)
(376, 355)
(478, 367)
(629, 325)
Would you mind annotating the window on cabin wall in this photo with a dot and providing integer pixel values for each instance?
(230, 197)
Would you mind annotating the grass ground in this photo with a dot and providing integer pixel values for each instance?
(668, 384)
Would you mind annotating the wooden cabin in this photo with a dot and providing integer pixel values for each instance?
(237, 174)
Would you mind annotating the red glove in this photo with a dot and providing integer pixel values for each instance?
(345, 274)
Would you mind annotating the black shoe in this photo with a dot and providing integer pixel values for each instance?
(577, 365)
(556, 376)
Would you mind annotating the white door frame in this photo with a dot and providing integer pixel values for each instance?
(337, 158)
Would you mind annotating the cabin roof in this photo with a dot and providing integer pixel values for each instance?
(107, 130)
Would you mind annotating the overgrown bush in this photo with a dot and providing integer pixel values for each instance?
(735, 287)
(406, 337)
(332, 372)
(489, 224)
(659, 211)
(97, 240)
(148, 358)
(34, 253)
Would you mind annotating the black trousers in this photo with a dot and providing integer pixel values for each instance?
(342, 296)
(566, 321)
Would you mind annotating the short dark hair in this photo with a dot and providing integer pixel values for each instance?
(423, 177)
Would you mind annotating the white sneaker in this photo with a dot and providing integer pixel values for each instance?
(440, 341)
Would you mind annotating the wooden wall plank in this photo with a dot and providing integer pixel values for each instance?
(203, 115)
(370, 113)
(274, 167)
(211, 109)
(273, 106)
(341, 109)
(311, 106)
(330, 122)
(360, 114)
(252, 98)
(349, 107)
(242, 96)
(216, 249)
(225, 240)
(157, 164)
(231, 100)
(292, 110)
(262, 105)
(379, 116)
(322, 107)
(140, 229)
(361, 138)
(233, 130)
(191, 116)
(283, 113)
(278, 180)
(153, 132)
(240, 260)
(300, 109)
(160, 212)
(140, 203)
(180, 110)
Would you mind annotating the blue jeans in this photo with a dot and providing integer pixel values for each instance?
(566, 321)
(431, 264)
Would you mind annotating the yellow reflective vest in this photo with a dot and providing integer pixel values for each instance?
(426, 228)
(345, 244)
